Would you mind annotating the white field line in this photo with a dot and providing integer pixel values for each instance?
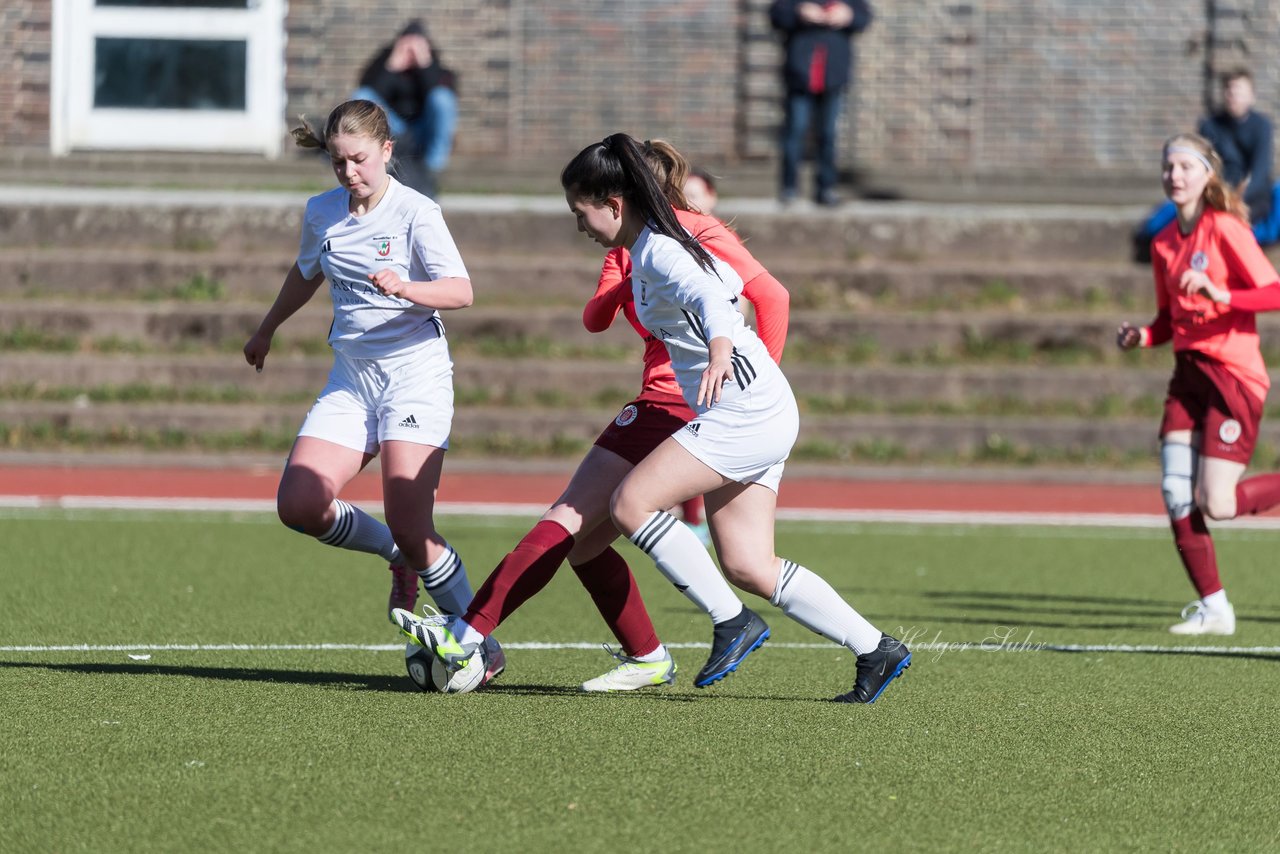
(462, 508)
(985, 646)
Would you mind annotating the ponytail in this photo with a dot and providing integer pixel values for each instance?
(616, 167)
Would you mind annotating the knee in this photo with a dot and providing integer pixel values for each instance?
(1177, 465)
(303, 513)
(1219, 506)
(622, 509)
(755, 579)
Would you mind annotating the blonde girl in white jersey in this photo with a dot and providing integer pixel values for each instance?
(735, 449)
(392, 267)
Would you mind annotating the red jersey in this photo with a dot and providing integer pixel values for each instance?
(613, 294)
(1223, 247)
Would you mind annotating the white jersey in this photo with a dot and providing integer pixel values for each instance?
(684, 307)
(405, 233)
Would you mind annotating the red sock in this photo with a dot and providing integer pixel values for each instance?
(614, 590)
(523, 572)
(1257, 494)
(1195, 547)
(691, 510)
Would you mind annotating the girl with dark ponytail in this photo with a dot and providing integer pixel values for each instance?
(578, 524)
(745, 424)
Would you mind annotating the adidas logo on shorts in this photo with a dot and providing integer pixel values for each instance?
(693, 427)
(410, 422)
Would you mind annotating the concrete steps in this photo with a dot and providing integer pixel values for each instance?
(920, 332)
(477, 429)
(529, 380)
(113, 274)
(862, 336)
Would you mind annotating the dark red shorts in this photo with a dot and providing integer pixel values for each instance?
(644, 424)
(1203, 396)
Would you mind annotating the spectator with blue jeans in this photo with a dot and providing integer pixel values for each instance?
(420, 98)
(1244, 139)
(816, 73)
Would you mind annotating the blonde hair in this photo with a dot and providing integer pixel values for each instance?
(1218, 194)
(350, 118)
(670, 168)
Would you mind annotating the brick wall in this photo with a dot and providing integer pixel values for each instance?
(24, 72)
(943, 87)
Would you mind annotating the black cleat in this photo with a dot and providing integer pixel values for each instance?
(734, 640)
(877, 669)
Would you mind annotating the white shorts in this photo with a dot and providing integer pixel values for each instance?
(366, 402)
(747, 439)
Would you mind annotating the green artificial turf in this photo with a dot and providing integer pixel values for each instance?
(992, 741)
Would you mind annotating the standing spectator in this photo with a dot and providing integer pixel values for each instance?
(816, 72)
(420, 98)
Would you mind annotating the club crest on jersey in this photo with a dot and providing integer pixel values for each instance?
(384, 248)
(644, 292)
(628, 414)
(1230, 431)
(1199, 262)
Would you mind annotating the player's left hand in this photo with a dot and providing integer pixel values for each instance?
(1196, 282)
(389, 282)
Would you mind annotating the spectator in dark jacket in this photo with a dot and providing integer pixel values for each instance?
(1244, 139)
(816, 73)
(419, 96)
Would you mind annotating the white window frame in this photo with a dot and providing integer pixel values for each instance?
(75, 124)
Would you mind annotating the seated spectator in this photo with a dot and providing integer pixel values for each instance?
(419, 96)
(1243, 139)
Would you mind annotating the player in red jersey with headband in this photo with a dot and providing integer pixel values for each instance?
(1211, 278)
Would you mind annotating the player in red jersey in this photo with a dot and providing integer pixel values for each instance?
(1211, 278)
(578, 525)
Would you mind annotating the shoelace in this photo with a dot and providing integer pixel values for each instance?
(1194, 609)
(622, 657)
(432, 615)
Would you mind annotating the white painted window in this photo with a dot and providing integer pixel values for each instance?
(178, 75)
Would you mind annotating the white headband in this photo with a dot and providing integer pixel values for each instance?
(1183, 149)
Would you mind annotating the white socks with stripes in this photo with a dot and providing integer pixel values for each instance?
(446, 582)
(683, 559)
(356, 530)
(814, 604)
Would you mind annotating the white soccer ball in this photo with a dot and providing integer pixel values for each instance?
(417, 661)
(428, 672)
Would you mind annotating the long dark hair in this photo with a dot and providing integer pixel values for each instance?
(616, 167)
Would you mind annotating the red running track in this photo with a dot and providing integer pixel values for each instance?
(54, 482)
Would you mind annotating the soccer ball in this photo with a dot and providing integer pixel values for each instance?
(428, 672)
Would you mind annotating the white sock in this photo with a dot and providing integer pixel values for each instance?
(814, 604)
(657, 655)
(356, 530)
(463, 631)
(1217, 602)
(446, 582)
(684, 560)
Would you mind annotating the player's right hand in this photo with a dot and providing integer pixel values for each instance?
(1127, 336)
(256, 349)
